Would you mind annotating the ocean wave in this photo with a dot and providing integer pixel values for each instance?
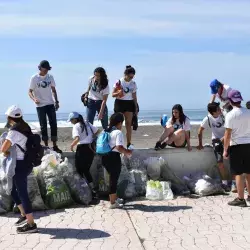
(65, 124)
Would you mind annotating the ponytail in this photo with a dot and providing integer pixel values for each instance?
(83, 124)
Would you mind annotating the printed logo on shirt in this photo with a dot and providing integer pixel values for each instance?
(126, 90)
(217, 125)
(43, 84)
(95, 87)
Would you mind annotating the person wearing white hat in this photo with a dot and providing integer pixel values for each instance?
(19, 191)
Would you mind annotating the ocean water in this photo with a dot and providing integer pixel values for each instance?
(146, 118)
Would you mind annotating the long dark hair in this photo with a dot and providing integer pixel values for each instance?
(115, 119)
(83, 123)
(21, 125)
(182, 116)
(103, 83)
(129, 70)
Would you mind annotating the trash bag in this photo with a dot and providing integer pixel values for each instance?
(58, 195)
(134, 162)
(203, 185)
(154, 190)
(34, 193)
(167, 191)
(65, 169)
(79, 189)
(40, 181)
(153, 165)
(140, 178)
(126, 184)
(2, 210)
(103, 180)
(6, 202)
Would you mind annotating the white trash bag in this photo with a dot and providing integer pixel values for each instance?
(154, 190)
(153, 165)
(166, 190)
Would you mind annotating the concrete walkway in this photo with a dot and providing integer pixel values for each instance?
(205, 223)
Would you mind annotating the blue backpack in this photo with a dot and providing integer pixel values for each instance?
(102, 143)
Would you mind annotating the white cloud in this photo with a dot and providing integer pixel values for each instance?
(173, 18)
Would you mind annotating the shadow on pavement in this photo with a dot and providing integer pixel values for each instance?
(70, 233)
(151, 208)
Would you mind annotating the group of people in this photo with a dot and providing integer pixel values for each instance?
(230, 125)
(230, 133)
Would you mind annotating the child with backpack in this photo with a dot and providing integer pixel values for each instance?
(110, 146)
(19, 136)
(83, 134)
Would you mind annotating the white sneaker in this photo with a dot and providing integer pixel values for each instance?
(116, 205)
(120, 201)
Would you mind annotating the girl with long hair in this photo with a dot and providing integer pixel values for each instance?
(112, 161)
(177, 130)
(125, 92)
(97, 95)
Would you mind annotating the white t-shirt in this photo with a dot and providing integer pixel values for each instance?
(128, 89)
(224, 96)
(216, 125)
(95, 93)
(238, 120)
(185, 126)
(84, 138)
(41, 86)
(117, 139)
(17, 138)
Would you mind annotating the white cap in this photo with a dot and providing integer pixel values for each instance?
(14, 112)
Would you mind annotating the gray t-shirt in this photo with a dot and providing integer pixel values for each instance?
(41, 86)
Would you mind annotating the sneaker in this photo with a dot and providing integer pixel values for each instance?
(233, 188)
(226, 188)
(248, 198)
(21, 221)
(120, 201)
(237, 202)
(163, 145)
(58, 150)
(158, 146)
(27, 229)
(116, 205)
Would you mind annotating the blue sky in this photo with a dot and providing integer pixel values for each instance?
(176, 46)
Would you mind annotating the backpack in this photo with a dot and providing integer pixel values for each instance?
(34, 150)
(102, 143)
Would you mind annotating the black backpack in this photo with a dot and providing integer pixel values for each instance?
(34, 150)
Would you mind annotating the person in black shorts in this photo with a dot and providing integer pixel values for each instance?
(125, 92)
(215, 121)
(237, 145)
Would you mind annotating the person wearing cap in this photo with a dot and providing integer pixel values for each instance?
(42, 92)
(19, 193)
(83, 134)
(220, 90)
(237, 145)
(215, 121)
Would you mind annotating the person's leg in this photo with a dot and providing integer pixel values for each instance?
(128, 122)
(41, 112)
(91, 111)
(51, 113)
(240, 186)
(248, 184)
(178, 137)
(78, 160)
(166, 133)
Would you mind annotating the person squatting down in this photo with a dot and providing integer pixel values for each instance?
(112, 160)
(177, 131)
(17, 137)
(83, 134)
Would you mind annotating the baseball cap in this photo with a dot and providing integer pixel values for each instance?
(73, 115)
(214, 85)
(234, 96)
(14, 112)
(45, 64)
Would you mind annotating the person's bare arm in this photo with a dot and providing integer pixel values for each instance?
(116, 93)
(200, 135)
(227, 138)
(74, 143)
(124, 151)
(187, 137)
(54, 92)
(32, 97)
(105, 98)
(213, 98)
(5, 147)
(135, 101)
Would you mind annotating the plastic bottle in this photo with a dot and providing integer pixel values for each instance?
(164, 120)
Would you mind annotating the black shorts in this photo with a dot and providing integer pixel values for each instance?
(239, 158)
(218, 150)
(123, 106)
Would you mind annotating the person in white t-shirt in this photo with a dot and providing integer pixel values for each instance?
(220, 90)
(19, 193)
(97, 96)
(112, 161)
(215, 121)
(125, 92)
(237, 145)
(42, 92)
(177, 131)
(83, 134)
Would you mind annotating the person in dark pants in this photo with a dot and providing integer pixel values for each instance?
(42, 90)
(112, 161)
(19, 191)
(97, 95)
(83, 134)
(237, 146)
